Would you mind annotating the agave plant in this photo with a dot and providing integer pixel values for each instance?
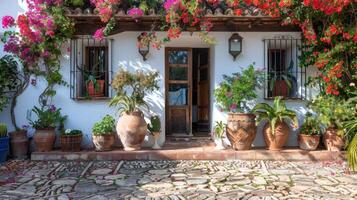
(274, 114)
(351, 136)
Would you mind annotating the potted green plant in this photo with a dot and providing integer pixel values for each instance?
(131, 88)
(95, 86)
(276, 131)
(104, 134)
(48, 119)
(310, 132)
(155, 129)
(71, 140)
(332, 112)
(218, 131)
(4, 142)
(232, 96)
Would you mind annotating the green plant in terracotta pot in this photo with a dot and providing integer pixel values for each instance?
(276, 131)
(71, 140)
(131, 89)
(218, 132)
(232, 96)
(104, 134)
(155, 129)
(48, 119)
(310, 133)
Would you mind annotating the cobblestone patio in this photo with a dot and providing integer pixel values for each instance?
(176, 180)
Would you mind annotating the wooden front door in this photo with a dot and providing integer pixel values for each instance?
(178, 87)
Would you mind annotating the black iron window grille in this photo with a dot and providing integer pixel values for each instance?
(284, 76)
(91, 68)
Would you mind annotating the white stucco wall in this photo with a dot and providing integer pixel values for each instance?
(83, 114)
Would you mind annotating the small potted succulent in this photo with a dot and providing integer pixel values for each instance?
(310, 132)
(4, 142)
(104, 134)
(276, 131)
(155, 129)
(71, 140)
(48, 119)
(219, 129)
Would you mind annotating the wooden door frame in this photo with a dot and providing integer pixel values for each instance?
(167, 114)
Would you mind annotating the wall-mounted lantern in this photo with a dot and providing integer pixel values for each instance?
(235, 45)
(143, 48)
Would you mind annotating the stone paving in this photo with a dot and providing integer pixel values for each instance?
(176, 180)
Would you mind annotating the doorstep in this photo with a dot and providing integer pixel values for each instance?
(193, 153)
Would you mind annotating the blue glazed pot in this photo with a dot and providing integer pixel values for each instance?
(4, 148)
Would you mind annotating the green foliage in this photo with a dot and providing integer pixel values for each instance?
(352, 153)
(274, 114)
(8, 79)
(3, 130)
(131, 88)
(219, 129)
(47, 117)
(72, 132)
(235, 90)
(74, 3)
(105, 126)
(331, 111)
(311, 125)
(155, 124)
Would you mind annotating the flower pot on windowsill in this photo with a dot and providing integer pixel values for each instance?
(71, 143)
(308, 142)
(103, 142)
(241, 130)
(131, 129)
(277, 140)
(281, 88)
(332, 140)
(19, 144)
(44, 139)
(96, 91)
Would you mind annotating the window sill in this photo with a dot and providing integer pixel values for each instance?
(92, 98)
(285, 99)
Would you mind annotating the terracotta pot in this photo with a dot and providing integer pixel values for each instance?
(132, 128)
(92, 92)
(241, 130)
(332, 141)
(19, 144)
(278, 140)
(71, 142)
(308, 142)
(44, 140)
(103, 142)
(280, 89)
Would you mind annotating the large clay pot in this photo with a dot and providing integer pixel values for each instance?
(308, 142)
(103, 142)
(131, 129)
(71, 142)
(278, 140)
(93, 92)
(241, 130)
(332, 141)
(19, 144)
(44, 140)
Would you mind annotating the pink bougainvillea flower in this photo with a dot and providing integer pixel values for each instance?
(99, 34)
(170, 3)
(135, 13)
(233, 106)
(8, 21)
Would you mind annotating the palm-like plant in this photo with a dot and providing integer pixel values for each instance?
(219, 129)
(274, 114)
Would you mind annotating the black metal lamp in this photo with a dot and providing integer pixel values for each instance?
(235, 45)
(143, 49)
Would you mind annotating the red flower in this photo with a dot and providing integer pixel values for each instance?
(8, 21)
(238, 12)
(173, 32)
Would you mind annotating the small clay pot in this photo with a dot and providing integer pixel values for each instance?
(103, 142)
(19, 144)
(71, 143)
(44, 139)
(308, 142)
(332, 141)
(278, 140)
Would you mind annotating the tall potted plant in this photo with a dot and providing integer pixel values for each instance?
(131, 89)
(48, 119)
(103, 134)
(276, 131)
(310, 132)
(232, 96)
(4, 142)
(332, 112)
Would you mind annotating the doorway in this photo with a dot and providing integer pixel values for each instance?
(187, 92)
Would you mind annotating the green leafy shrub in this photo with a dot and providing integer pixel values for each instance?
(3, 130)
(311, 125)
(235, 90)
(47, 117)
(104, 127)
(155, 124)
(219, 129)
(8, 79)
